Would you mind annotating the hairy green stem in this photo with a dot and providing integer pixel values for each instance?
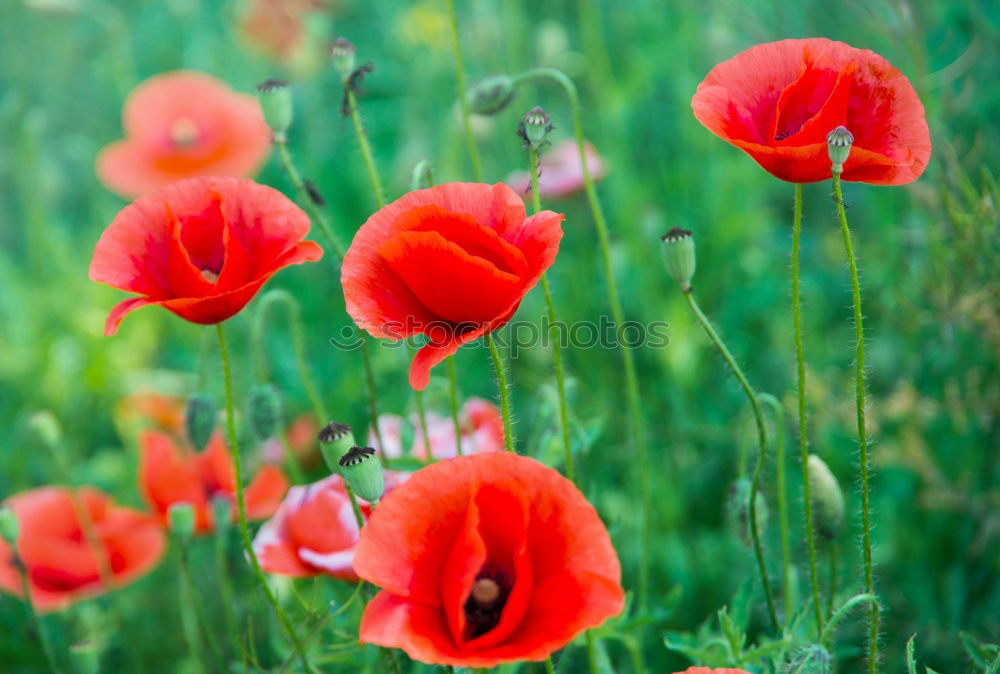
(783, 524)
(859, 390)
(549, 667)
(365, 146)
(225, 587)
(498, 364)
(453, 401)
(761, 452)
(241, 511)
(800, 362)
(832, 589)
(831, 625)
(456, 47)
(191, 599)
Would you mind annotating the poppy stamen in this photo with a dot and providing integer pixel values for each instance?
(183, 132)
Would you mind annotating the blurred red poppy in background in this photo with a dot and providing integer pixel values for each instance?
(64, 564)
(278, 26)
(778, 101)
(486, 559)
(153, 408)
(170, 473)
(479, 421)
(201, 248)
(183, 124)
(452, 262)
(559, 171)
(315, 531)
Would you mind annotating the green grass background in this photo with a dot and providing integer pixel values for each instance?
(928, 252)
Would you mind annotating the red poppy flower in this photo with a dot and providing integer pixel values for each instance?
(451, 262)
(149, 407)
(169, 473)
(559, 172)
(278, 26)
(201, 248)
(63, 566)
(486, 559)
(315, 531)
(479, 421)
(183, 124)
(778, 101)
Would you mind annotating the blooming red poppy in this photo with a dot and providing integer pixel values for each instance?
(486, 559)
(559, 171)
(778, 101)
(451, 262)
(314, 531)
(479, 421)
(64, 564)
(170, 473)
(183, 124)
(201, 248)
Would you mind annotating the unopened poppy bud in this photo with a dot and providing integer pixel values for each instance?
(738, 511)
(221, 512)
(827, 499)
(46, 428)
(10, 529)
(535, 127)
(490, 95)
(838, 143)
(199, 419)
(343, 55)
(678, 256)
(363, 473)
(263, 411)
(275, 98)
(180, 516)
(813, 659)
(423, 176)
(335, 440)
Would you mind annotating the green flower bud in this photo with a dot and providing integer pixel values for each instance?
(180, 517)
(87, 656)
(199, 419)
(264, 412)
(738, 511)
(812, 659)
(275, 98)
(535, 127)
(46, 428)
(10, 528)
(363, 473)
(343, 54)
(335, 440)
(839, 143)
(678, 256)
(490, 95)
(222, 513)
(423, 176)
(827, 499)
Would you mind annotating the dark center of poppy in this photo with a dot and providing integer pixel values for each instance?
(183, 132)
(484, 607)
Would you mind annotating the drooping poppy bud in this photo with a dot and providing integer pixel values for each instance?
(535, 127)
(678, 256)
(490, 95)
(343, 54)
(812, 659)
(264, 411)
(738, 511)
(180, 517)
(423, 176)
(275, 98)
(363, 473)
(10, 529)
(839, 143)
(335, 439)
(827, 499)
(199, 419)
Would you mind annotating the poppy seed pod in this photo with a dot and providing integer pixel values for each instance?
(275, 98)
(199, 419)
(9, 526)
(180, 517)
(263, 411)
(335, 440)
(535, 127)
(839, 143)
(363, 473)
(490, 95)
(343, 54)
(827, 499)
(678, 256)
(813, 659)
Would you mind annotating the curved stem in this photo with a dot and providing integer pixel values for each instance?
(241, 510)
(456, 47)
(453, 401)
(800, 362)
(783, 524)
(631, 379)
(310, 207)
(761, 452)
(366, 148)
(498, 364)
(859, 390)
(553, 330)
(831, 624)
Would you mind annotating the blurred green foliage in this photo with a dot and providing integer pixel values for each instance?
(929, 256)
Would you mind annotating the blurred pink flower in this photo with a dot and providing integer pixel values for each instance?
(560, 174)
(482, 431)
